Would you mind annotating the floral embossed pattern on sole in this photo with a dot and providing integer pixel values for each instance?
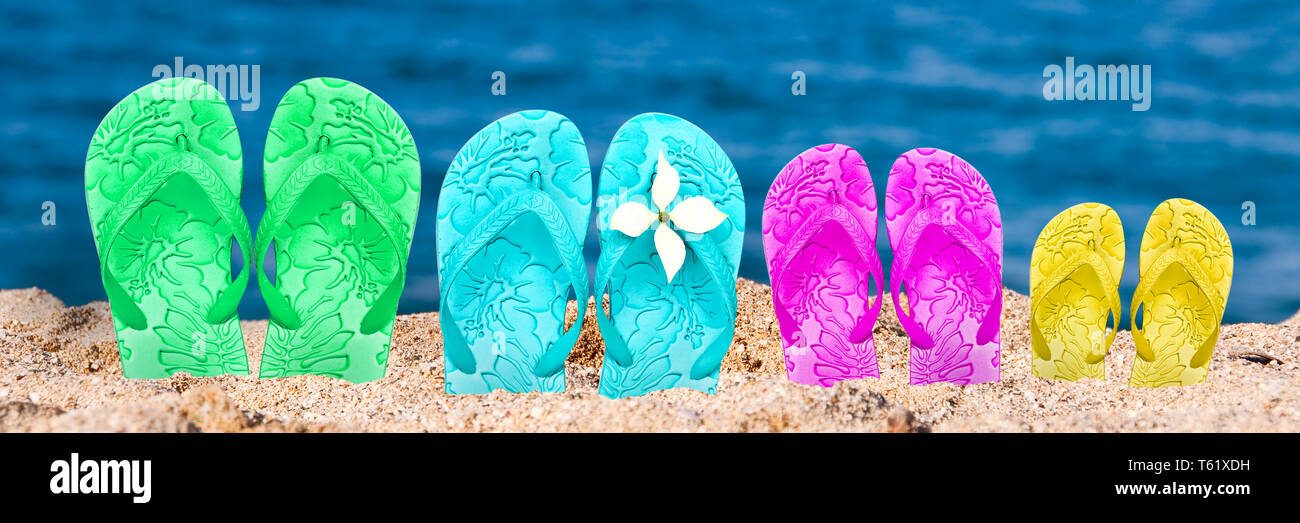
(671, 217)
(1185, 275)
(1074, 292)
(162, 186)
(342, 183)
(819, 234)
(512, 218)
(946, 234)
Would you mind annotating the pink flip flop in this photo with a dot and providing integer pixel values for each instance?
(946, 233)
(819, 234)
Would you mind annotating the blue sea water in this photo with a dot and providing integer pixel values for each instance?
(1223, 127)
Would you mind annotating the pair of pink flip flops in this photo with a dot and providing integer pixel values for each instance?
(819, 234)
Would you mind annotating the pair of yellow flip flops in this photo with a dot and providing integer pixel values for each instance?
(1186, 271)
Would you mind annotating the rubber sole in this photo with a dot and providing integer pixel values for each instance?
(822, 289)
(951, 288)
(1072, 315)
(509, 300)
(675, 333)
(1180, 318)
(173, 253)
(333, 258)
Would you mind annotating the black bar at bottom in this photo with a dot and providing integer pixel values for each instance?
(934, 475)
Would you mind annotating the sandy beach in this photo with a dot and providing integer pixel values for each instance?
(59, 372)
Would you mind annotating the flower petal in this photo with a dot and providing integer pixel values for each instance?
(672, 252)
(664, 187)
(632, 218)
(696, 214)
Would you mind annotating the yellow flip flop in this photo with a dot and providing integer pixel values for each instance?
(1186, 271)
(1074, 292)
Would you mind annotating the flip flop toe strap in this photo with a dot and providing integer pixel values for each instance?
(368, 199)
(858, 236)
(181, 163)
(1093, 261)
(901, 269)
(615, 347)
(539, 204)
(1144, 293)
(720, 275)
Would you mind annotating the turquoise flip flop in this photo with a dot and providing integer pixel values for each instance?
(342, 183)
(162, 187)
(672, 292)
(512, 219)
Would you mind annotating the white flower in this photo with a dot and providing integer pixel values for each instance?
(695, 215)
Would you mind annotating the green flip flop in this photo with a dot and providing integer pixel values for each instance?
(162, 188)
(342, 180)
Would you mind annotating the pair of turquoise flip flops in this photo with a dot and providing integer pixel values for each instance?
(512, 222)
(163, 179)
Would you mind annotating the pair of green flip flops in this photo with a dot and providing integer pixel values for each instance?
(163, 180)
